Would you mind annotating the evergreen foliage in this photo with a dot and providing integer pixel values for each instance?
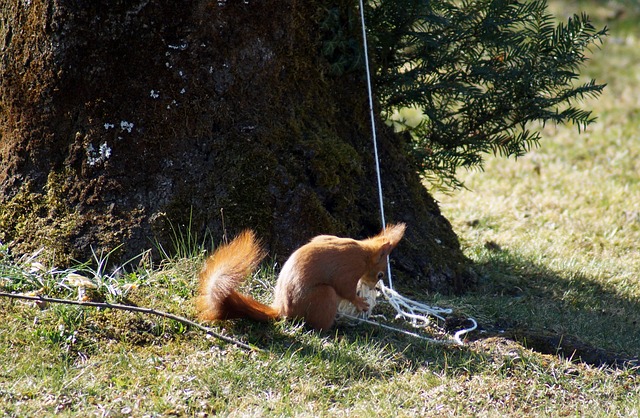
(470, 77)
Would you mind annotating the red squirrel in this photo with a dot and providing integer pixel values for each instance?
(310, 285)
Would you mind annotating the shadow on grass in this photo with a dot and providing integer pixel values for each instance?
(355, 352)
(566, 314)
(563, 313)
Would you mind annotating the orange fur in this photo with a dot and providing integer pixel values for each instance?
(310, 285)
(222, 273)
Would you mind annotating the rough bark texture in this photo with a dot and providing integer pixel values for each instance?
(117, 117)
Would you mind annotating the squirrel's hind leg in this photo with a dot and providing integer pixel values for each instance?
(321, 306)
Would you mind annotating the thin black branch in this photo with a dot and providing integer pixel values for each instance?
(129, 308)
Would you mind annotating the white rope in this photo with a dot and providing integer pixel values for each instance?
(373, 128)
(417, 313)
(403, 331)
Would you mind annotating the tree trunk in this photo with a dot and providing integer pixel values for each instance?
(123, 119)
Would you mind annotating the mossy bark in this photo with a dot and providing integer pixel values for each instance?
(119, 117)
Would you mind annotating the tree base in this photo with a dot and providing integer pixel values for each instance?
(123, 122)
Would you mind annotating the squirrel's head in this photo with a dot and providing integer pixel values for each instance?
(381, 246)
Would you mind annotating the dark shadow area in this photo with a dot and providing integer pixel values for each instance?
(348, 349)
(569, 314)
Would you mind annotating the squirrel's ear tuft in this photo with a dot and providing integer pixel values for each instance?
(394, 233)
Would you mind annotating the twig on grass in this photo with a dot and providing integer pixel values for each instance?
(129, 308)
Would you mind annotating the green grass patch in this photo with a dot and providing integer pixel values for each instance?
(554, 237)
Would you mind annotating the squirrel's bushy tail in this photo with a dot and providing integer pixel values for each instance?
(222, 274)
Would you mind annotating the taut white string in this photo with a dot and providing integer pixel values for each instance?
(417, 313)
(373, 129)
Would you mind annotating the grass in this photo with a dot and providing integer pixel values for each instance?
(557, 231)
(554, 237)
